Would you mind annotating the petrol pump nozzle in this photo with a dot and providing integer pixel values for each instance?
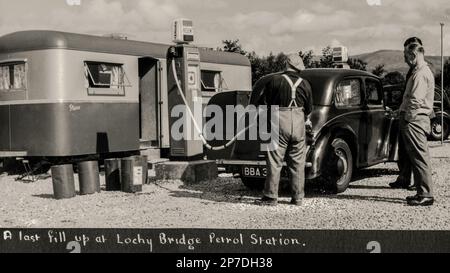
(173, 52)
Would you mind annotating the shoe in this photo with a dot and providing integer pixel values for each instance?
(267, 201)
(399, 185)
(421, 201)
(410, 198)
(296, 202)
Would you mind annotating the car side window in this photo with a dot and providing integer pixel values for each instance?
(348, 93)
(393, 95)
(373, 93)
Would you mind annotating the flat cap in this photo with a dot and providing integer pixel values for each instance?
(295, 61)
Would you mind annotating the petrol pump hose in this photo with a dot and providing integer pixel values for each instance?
(197, 127)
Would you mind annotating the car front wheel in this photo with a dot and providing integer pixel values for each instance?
(437, 129)
(339, 166)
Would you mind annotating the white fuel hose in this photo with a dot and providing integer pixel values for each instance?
(197, 127)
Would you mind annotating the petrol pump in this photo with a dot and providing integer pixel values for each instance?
(340, 57)
(185, 98)
(184, 94)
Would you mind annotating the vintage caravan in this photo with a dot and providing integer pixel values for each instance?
(72, 95)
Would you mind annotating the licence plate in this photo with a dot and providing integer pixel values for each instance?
(254, 172)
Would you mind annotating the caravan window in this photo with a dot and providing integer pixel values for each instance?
(211, 81)
(106, 76)
(13, 76)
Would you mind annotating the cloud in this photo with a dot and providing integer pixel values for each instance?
(382, 31)
(203, 4)
(307, 21)
(321, 7)
(335, 43)
(258, 19)
(142, 18)
(374, 2)
(261, 25)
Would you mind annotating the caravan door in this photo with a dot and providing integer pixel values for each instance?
(149, 93)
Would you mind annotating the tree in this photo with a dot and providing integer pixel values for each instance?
(394, 78)
(379, 70)
(308, 59)
(357, 64)
(233, 46)
(326, 61)
(262, 66)
(446, 75)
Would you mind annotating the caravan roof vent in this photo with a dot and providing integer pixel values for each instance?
(118, 36)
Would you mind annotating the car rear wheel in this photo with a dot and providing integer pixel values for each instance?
(339, 166)
(253, 183)
(437, 129)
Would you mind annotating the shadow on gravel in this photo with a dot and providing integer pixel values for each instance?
(233, 191)
(44, 196)
(230, 190)
(367, 187)
(222, 190)
(438, 144)
(368, 198)
(50, 196)
(371, 173)
(238, 194)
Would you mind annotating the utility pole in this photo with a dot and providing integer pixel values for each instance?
(442, 84)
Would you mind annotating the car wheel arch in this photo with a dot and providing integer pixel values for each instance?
(350, 138)
(324, 139)
(344, 132)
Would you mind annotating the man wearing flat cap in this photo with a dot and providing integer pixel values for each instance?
(293, 95)
(415, 113)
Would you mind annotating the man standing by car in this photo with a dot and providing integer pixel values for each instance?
(404, 179)
(415, 114)
(293, 95)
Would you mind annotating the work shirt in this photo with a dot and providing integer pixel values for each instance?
(410, 72)
(277, 91)
(419, 94)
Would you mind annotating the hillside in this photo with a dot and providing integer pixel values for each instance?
(393, 61)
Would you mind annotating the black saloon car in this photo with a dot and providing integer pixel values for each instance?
(352, 129)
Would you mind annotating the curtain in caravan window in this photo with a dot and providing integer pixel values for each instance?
(105, 76)
(4, 78)
(19, 76)
(217, 82)
(211, 81)
(116, 76)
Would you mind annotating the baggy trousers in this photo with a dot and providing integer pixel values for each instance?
(417, 159)
(291, 147)
(403, 163)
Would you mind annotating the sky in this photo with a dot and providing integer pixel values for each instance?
(262, 26)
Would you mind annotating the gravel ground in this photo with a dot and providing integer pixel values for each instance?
(369, 204)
